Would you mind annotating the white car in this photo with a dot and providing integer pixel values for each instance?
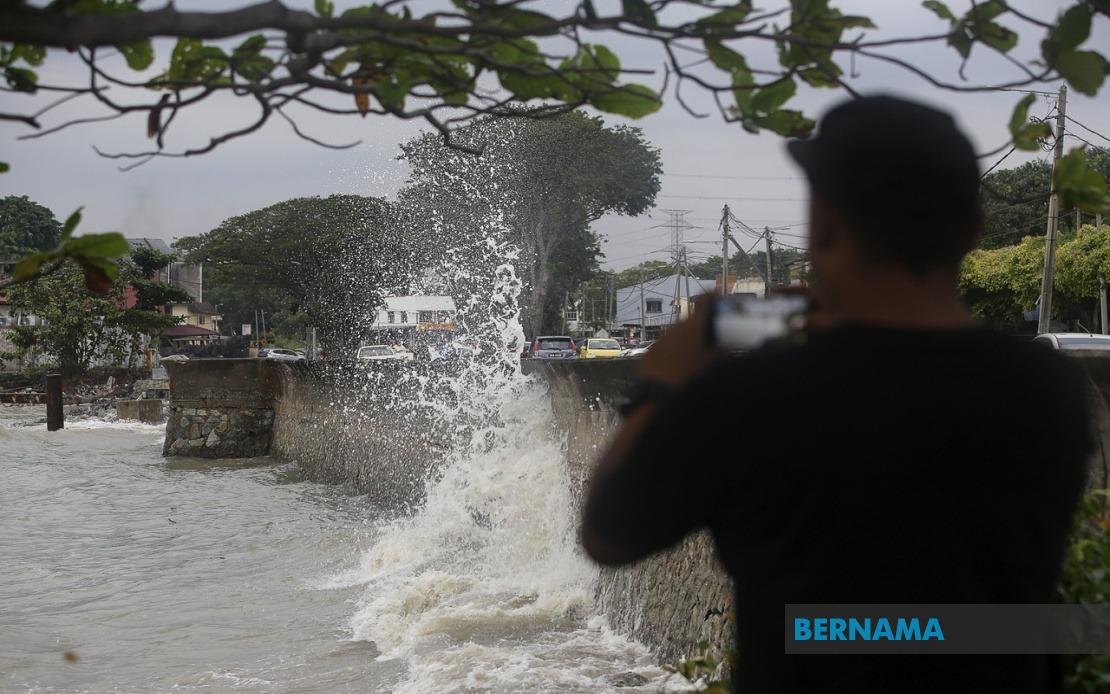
(383, 353)
(283, 354)
(1069, 342)
(639, 349)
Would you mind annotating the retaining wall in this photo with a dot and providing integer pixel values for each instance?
(338, 423)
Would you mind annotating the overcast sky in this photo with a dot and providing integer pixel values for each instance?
(707, 162)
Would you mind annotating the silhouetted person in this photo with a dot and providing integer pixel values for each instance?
(900, 455)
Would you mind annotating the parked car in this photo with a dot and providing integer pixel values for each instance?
(281, 354)
(600, 348)
(383, 353)
(1075, 341)
(638, 349)
(553, 347)
(262, 353)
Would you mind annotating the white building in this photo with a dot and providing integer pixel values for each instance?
(416, 312)
(658, 299)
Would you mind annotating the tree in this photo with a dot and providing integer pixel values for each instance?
(1015, 201)
(387, 59)
(1001, 284)
(25, 227)
(332, 258)
(78, 327)
(545, 181)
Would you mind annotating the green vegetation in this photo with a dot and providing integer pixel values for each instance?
(309, 261)
(1000, 284)
(79, 327)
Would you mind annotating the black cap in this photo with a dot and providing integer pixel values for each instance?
(896, 167)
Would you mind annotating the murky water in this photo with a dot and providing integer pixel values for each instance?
(193, 575)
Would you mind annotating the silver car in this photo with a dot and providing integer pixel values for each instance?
(283, 354)
(1075, 341)
(383, 353)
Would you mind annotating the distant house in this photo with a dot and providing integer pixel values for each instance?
(416, 313)
(658, 297)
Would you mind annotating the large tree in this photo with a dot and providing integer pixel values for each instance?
(332, 258)
(25, 227)
(546, 180)
(1015, 201)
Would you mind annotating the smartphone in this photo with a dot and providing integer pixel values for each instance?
(744, 321)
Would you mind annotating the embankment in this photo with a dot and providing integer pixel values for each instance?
(348, 424)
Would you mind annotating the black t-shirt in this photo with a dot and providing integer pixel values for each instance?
(871, 465)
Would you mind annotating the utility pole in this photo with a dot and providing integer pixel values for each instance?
(724, 250)
(1044, 321)
(643, 328)
(1101, 286)
(257, 336)
(767, 238)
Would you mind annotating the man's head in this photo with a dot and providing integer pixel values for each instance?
(894, 189)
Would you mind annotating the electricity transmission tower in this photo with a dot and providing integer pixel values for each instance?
(678, 226)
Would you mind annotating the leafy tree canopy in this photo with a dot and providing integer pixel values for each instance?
(333, 258)
(25, 227)
(545, 181)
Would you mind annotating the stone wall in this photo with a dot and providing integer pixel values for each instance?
(672, 600)
(221, 408)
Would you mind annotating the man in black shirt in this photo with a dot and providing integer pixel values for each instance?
(900, 455)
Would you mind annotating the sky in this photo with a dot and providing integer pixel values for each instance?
(707, 162)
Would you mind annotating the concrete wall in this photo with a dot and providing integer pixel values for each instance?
(339, 423)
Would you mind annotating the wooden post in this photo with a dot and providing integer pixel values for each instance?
(55, 418)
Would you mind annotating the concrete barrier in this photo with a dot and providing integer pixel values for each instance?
(148, 411)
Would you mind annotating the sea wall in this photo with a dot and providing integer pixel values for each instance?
(674, 599)
(221, 408)
(350, 424)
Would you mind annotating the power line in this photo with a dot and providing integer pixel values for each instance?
(1093, 132)
(1088, 142)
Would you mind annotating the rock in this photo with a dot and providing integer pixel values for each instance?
(626, 679)
(212, 441)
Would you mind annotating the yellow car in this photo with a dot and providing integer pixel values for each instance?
(599, 348)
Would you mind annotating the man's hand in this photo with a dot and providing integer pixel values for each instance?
(684, 350)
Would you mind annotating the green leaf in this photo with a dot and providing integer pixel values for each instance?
(940, 9)
(30, 266)
(787, 123)
(106, 245)
(1082, 69)
(1073, 27)
(640, 12)
(324, 8)
(21, 80)
(71, 223)
(986, 11)
(192, 61)
(1027, 135)
(997, 36)
(632, 100)
(770, 98)
(248, 60)
(1078, 185)
(139, 55)
(816, 77)
(5, 167)
(961, 41)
